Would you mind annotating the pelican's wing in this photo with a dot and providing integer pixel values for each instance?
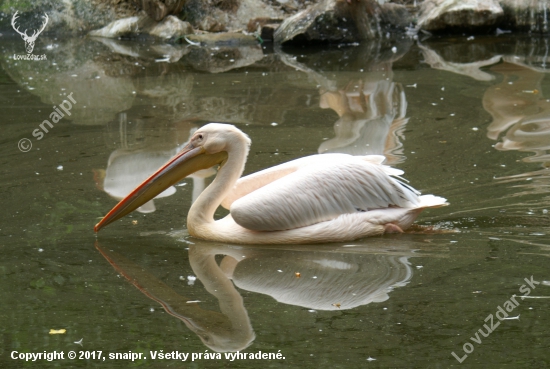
(255, 181)
(323, 190)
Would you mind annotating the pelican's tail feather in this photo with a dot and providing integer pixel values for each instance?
(431, 201)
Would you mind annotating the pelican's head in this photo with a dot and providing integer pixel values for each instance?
(218, 137)
(209, 146)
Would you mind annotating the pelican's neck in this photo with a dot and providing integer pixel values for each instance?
(202, 210)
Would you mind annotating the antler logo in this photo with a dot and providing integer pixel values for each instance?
(29, 40)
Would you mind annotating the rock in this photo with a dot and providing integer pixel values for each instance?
(170, 28)
(257, 23)
(264, 27)
(395, 15)
(68, 16)
(159, 9)
(526, 15)
(229, 39)
(227, 15)
(332, 20)
(118, 28)
(459, 15)
(306, 20)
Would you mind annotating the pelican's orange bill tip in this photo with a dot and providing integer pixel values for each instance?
(163, 178)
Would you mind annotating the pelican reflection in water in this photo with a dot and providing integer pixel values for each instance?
(319, 198)
(331, 278)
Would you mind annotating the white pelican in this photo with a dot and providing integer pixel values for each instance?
(315, 199)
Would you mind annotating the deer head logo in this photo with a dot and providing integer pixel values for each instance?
(29, 40)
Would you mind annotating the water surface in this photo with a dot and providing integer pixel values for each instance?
(465, 119)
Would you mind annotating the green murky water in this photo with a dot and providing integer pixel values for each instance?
(465, 119)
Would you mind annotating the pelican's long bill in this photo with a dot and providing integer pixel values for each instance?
(188, 161)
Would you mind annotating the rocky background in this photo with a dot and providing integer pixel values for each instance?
(281, 21)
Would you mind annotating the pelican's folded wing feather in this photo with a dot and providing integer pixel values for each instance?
(254, 181)
(320, 191)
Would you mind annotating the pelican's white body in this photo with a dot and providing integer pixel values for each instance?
(319, 198)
